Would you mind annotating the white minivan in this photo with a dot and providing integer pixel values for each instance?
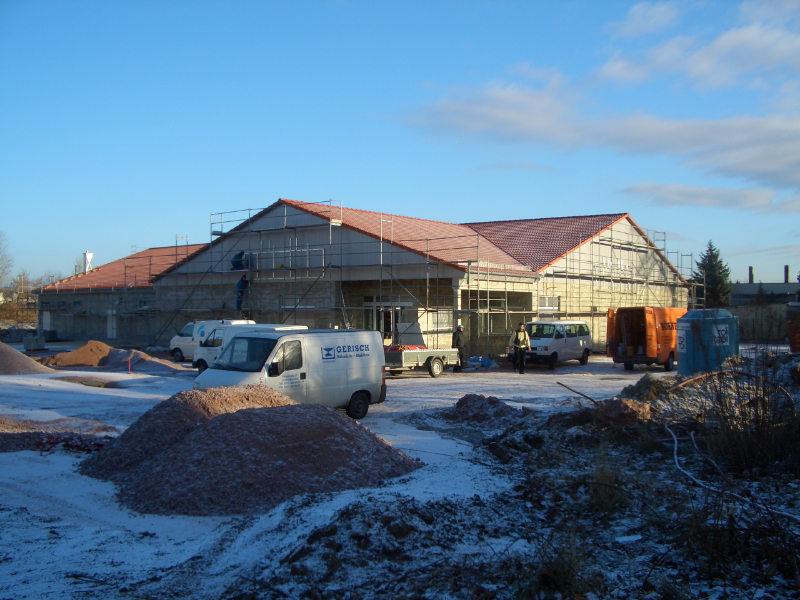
(182, 345)
(342, 368)
(214, 342)
(557, 340)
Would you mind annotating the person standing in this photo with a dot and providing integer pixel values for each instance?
(460, 343)
(520, 343)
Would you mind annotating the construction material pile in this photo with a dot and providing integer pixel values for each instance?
(477, 409)
(240, 450)
(71, 433)
(98, 354)
(681, 398)
(14, 362)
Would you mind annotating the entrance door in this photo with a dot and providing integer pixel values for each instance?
(383, 318)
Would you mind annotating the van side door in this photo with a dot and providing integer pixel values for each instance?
(287, 372)
(572, 347)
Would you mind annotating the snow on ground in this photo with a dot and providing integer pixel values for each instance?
(462, 526)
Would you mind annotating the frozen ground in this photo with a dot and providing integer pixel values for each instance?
(465, 525)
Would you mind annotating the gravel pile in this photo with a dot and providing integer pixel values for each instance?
(14, 362)
(241, 450)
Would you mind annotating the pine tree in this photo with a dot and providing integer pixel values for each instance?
(715, 276)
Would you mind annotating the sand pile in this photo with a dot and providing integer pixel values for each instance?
(98, 354)
(238, 451)
(13, 362)
(92, 354)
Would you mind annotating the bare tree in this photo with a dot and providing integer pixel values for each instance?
(5, 259)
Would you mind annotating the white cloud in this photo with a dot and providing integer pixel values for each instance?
(754, 50)
(761, 149)
(668, 56)
(765, 149)
(645, 18)
(506, 112)
(623, 70)
(759, 53)
(772, 12)
(748, 200)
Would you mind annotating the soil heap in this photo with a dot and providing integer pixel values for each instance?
(92, 354)
(14, 362)
(98, 354)
(240, 450)
(477, 409)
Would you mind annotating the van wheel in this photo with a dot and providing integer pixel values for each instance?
(584, 357)
(628, 366)
(670, 364)
(435, 367)
(358, 406)
(177, 355)
(552, 361)
(201, 366)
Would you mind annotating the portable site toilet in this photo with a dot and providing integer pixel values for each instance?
(706, 337)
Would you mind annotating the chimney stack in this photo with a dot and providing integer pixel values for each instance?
(785, 273)
(749, 274)
(87, 261)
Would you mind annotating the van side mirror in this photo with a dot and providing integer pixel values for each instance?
(273, 370)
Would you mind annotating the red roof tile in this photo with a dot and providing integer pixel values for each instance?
(444, 242)
(538, 243)
(136, 270)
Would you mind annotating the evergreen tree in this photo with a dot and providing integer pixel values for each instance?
(715, 276)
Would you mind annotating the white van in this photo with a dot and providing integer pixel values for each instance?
(183, 344)
(342, 368)
(214, 342)
(557, 340)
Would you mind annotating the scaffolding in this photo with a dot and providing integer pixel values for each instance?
(433, 283)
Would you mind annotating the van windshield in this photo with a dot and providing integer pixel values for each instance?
(245, 354)
(541, 331)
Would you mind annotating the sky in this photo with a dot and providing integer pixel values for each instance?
(128, 125)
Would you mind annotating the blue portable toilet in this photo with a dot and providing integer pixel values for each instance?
(706, 337)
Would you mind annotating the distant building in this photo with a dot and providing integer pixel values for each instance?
(743, 294)
(113, 302)
(323, 265)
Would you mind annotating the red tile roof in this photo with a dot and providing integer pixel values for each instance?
(136, 270)
(539, 243)
(445, 242)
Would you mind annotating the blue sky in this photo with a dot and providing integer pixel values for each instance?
(124, 125)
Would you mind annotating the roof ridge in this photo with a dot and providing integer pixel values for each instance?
(614, 215)
(299, 203)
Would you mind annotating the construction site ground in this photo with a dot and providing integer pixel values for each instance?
(116, 481)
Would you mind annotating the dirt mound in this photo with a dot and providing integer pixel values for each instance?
(92, 354)
(170, 421)
(98, 354)
(252, 460)
(73, 433)
(14, 362)
(478, 409)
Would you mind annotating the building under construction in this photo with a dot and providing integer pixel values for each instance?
(325, 265)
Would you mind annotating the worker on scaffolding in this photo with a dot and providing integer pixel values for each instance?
(241, 287)
(460, 343)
